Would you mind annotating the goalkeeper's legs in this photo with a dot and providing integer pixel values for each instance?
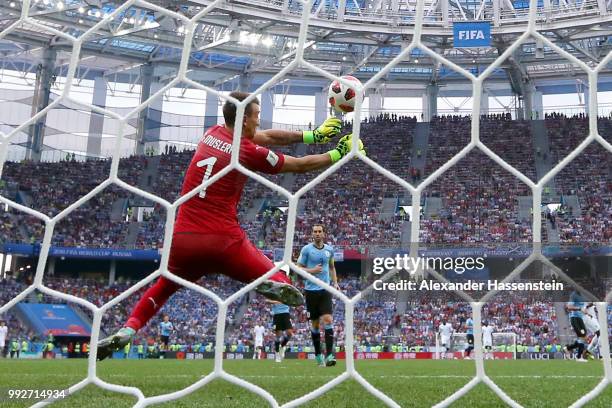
(181, 257)
(281, 292)
(151, 302)
(148, 305)
(236, 257)
(246, 263)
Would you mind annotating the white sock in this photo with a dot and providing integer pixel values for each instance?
(593, 344)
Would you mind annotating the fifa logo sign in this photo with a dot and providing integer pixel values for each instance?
(471, 35)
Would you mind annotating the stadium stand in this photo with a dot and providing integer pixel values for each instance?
(530, 315)
(476, 206)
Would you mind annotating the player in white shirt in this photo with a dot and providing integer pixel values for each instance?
(3, 336)
(487, 339)
(446, 331)
(592, 326)
(259, 332)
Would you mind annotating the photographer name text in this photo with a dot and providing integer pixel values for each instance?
(468, 285)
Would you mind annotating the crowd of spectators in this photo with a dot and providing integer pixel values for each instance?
(478, 205)
(479, 198)
(51, 187)
(17, 330)
(531, 316)
(350, 201)
(588, 177)
(193, 315)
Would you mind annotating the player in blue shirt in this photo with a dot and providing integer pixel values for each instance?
(574, 309)
(165, 329)
(469, 330)
(317, 258)
(283, 329)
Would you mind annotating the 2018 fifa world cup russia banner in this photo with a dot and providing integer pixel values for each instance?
(59, 320)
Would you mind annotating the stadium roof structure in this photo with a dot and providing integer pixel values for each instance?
(258, 38)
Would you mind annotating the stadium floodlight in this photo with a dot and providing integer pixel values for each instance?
(242, 36)
(136, 29)
(253, 39)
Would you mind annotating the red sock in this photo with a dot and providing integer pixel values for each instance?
(280, 276)
(150, 303)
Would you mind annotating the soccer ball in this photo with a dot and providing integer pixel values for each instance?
(342, 97)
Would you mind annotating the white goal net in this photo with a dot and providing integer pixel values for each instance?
(349, 303)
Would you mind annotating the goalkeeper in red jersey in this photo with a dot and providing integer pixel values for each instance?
(207, 237)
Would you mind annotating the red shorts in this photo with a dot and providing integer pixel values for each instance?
(194, 255)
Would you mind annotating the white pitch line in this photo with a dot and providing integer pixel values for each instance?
(430, 376)
(448, 376)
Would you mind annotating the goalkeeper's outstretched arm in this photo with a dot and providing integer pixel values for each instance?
(278, 137)
(306, 163)
(318, 161)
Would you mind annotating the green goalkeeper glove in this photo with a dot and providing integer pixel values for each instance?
(324, 133)
(343, 147)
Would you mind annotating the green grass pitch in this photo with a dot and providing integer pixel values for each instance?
(410, 383)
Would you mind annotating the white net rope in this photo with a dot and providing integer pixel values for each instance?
(416, 192)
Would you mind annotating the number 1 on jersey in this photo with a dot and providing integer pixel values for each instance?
(209, 163)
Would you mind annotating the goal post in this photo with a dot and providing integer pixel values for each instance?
(503, 347)
(505, 343)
